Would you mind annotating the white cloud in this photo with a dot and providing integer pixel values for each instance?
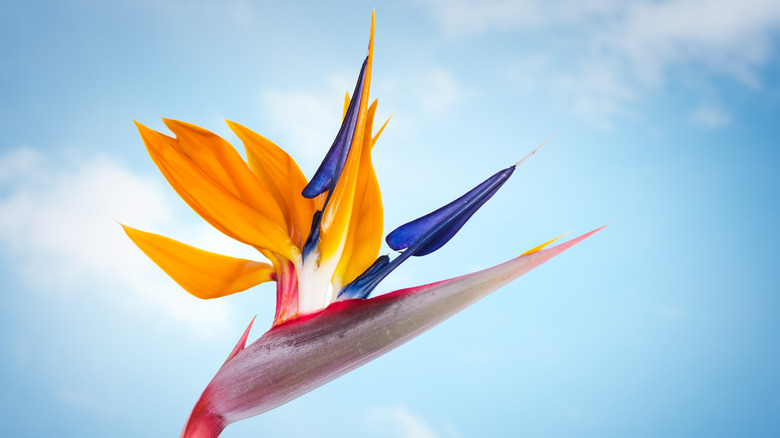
(613, 52)
(596, 92)
(467, 17)
(59, 233)
(710, 116)
(438, 90)
(728, 35)
(398, 421)
(308, 120)
(17, 163)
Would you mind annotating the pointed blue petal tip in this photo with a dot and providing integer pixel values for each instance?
(328, 173)
(427, 234)
(448, 220)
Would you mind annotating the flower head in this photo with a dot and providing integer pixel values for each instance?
(322, 238)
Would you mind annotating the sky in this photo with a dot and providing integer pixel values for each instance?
(663, 119)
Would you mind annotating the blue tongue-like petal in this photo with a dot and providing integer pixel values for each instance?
(426, 234)
(445, 222)
(328, 173)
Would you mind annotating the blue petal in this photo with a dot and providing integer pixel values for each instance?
(314, 234)
(427, 234)
(358, 288)
(328, 173)
(442, 224)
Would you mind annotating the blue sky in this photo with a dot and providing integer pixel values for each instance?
(663, 117)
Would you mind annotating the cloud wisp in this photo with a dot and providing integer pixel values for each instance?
(59, 234)
(607, 54)
(308, 118)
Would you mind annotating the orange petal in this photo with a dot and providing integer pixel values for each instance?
(346, 105)
(282, 177)
(337, 214)
(202, 273)
(213, 202)
(364, 237)
(378, 133)
(219, 160)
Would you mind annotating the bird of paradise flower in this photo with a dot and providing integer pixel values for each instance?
(322, 238)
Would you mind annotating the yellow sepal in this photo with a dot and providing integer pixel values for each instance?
(364, 237)
(337, 214)
(212, 201)
(202, 273)
(346, 105)
(541, 247)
